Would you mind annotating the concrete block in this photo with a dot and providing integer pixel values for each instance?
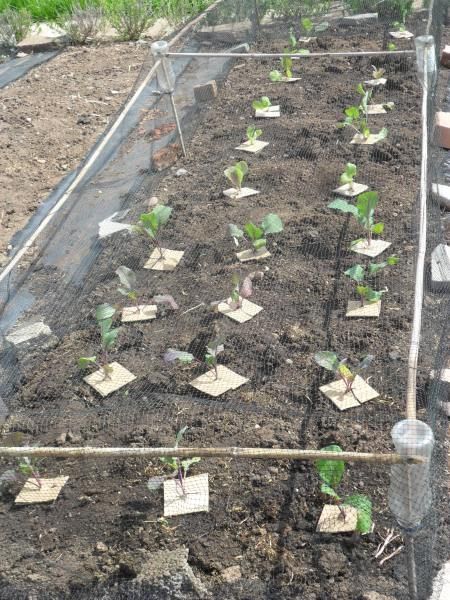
(440, 267)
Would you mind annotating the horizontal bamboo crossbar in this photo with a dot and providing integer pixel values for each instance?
(294, 55)
(230, 452)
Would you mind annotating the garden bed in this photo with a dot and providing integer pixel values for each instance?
(262, 515)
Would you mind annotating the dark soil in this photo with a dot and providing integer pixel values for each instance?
(262, 515)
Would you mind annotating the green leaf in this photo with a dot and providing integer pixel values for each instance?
(326, 489)
(162, 213)
(172, 355)
(327, 360)
(258, 244)
(275, 76)
(262, 104)
(180, 435)
(272, 224)
(381, 135)
(303, 52)
(331, 471)
(343, 206)
(235, 232)
(365, 206)
(356, 273)
(369, 294)
(360, 89)
(375, 268)
(109, 338)
(127, 278)
(104, 311)
(237, 173)
(378, 228)
(363, 506)
(321, 27)
(85, 361)
(307, 24)
(253, 232)
(392, 260)
(352, 112)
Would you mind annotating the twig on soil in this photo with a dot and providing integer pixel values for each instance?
(396, 551)
(193, 308)
(390, 537)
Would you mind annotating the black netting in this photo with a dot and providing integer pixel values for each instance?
(94, 541)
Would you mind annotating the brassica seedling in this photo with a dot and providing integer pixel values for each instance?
(263, 104)
(358, 274)
(377, 73)
(331, 362)
(292, 41)
(242, 289)
(392, 47)
(286, 64)
(348, 176)
(213, 349)
(357, 118)
(253, 134)
(104, 316)
(28, 468)
(236, 174)
(363, 212)
(150, 224)
(127, 279)
(179, 467)
(307, 25)
(257, 235)
(331, 473)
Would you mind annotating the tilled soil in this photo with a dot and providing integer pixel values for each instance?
(51, 118)
(262, 515)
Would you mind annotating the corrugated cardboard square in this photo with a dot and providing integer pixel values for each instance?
(287, 80)
(48, 492)
(376, 82)
(376, 109)
(333, 521)
(368, 309)
(306, 40)
(247, 255)
(170, 260)
(376, 247)
(238, 194)
(270, 113)
(226, 380)
(361, 392)
(253, 148)
(194, 498)
(401, 35)
(106, 385)
(247, 311)
(351, 191)
(142, 312)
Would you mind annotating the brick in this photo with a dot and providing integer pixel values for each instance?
(205, 92)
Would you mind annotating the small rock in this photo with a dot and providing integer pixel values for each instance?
(375, 596)
(394, 355)
(181, 172)
(273, 470)
(151, 202)
(74, 438)
(101, 548)
(61, 439)
(232, 574)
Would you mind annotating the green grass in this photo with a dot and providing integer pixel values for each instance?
(50, 10)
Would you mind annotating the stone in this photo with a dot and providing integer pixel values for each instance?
(170, 570)
(181, 172)
(101, 547)
(375, 596)
(440, 267)
(206, 91)
(442, 129)
(232, 574)
(445, 57)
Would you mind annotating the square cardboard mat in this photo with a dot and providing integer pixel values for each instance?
(226, 380)
(170, 260)
(194, 498)
(106, 385)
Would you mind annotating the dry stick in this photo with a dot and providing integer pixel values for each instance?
(230, 452)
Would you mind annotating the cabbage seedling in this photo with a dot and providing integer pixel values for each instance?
(213, 349)
(104, 316)
(179, 467)
(392, 47)
(242, 289)
(257, 235)
(377, 73)
(127, 286)
(28, 468)
(356, 117)
(348, 176)
(292, 41)
(263, 104)
(363, 212)
(150, 224)
(307, 25)
(331, 362)
(358, 274)
(253, 134)
(236, 174)
(331, 473)
(286, 64)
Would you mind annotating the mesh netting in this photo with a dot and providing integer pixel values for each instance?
(262, 515)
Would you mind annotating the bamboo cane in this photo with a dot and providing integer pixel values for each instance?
(228, 452)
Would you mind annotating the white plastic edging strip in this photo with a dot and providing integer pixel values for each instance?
(411, 409)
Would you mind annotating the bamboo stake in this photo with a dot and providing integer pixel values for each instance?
(227, 452)
(293, 55)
